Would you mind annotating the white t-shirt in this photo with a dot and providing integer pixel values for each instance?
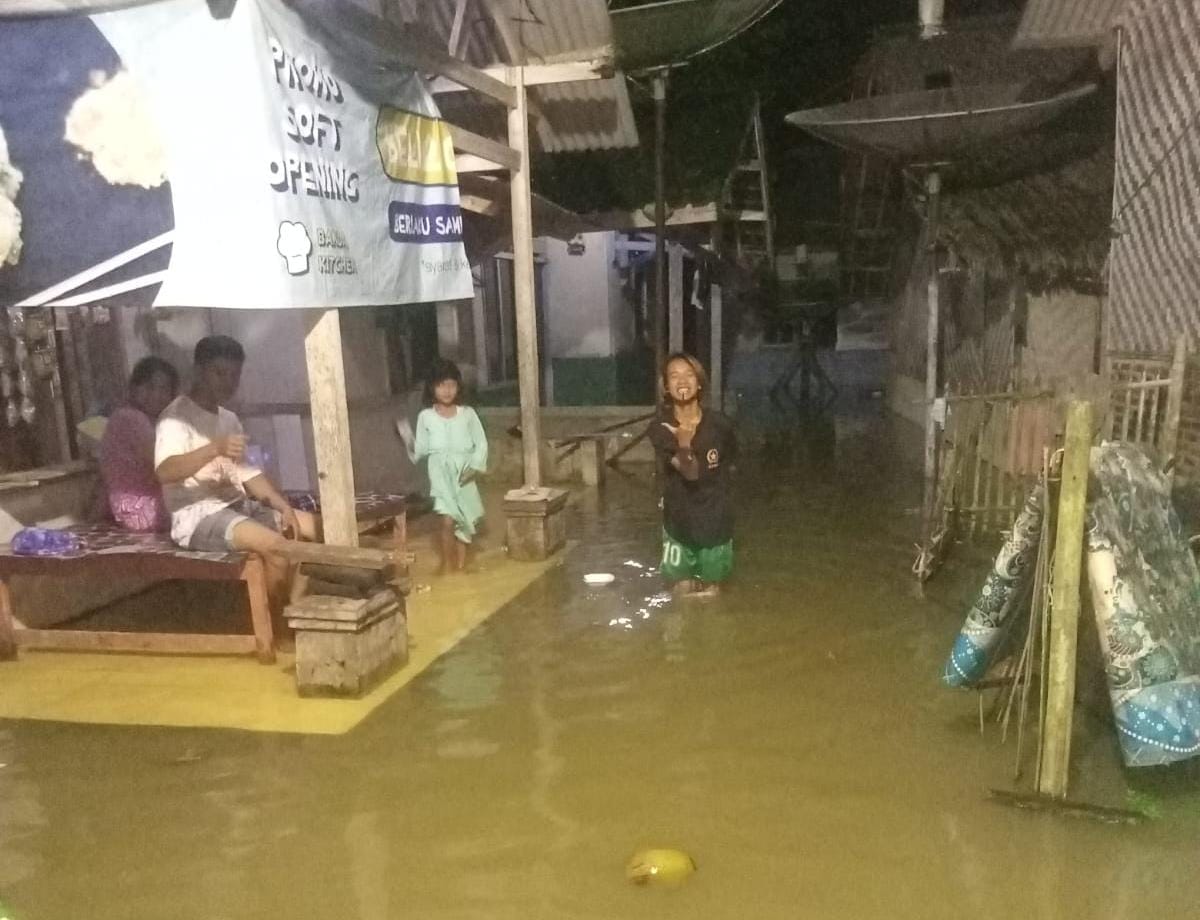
(182, 428)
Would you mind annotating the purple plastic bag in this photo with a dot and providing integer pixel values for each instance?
(45, 541)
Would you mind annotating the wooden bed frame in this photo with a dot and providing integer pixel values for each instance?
(119, 554)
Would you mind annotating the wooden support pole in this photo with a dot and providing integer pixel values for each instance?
(523, 284)
(933, 187)
(715, 373)
(1064, 605)
(331, 427)
(675, 325)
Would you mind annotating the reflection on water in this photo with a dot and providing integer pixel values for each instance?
(791, 735)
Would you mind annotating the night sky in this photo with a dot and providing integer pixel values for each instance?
(800, 56)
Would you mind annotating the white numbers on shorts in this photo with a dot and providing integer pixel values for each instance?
(672, 553)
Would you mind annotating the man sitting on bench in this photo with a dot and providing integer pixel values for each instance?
(220, 502)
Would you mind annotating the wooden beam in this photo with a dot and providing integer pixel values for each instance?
(414, 52)
(484, 147)
(1064, 604)
(477, 204)
(331, 426)
(97, 641)
(355, 557)
(469, 163)
(675, 298)
(579, 71)
(528, 371)
(680, 217)
(716, 343)
(456, 46)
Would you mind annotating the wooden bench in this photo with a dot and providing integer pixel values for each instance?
(118, 553)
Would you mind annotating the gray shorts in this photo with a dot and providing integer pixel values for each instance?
(214, 534)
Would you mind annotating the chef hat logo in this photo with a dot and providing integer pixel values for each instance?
(295, 246)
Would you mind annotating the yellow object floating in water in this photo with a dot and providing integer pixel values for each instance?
(660, 867)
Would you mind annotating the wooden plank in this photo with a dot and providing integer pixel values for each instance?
(1170, 436)
(341, 609)
(528, 368)
(675, 295)
(716, 347)
(327, 554)
(469, 163)
(101, 641)
(331, 427)
(1064, 609)
(484, 147)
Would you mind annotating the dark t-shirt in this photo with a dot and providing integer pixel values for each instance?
(697, 513)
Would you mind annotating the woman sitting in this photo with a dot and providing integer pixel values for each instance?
(135, 497)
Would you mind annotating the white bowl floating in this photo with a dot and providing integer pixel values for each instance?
(596, 579)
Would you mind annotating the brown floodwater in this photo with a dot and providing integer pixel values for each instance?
(792, 736)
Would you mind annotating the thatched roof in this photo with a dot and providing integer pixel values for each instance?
(1052, 226)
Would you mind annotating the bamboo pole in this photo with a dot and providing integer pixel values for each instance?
(331, 426)
(1139, 436)
(523, 284)
(1064, 608)
(1170, 437)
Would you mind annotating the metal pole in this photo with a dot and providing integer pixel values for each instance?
(933, 186)
(660, 229)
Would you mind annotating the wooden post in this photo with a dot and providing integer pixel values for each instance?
(523, 284)
(715, 373)
(675, 326)
(8, 635)
(933, 187)
(1170, 435)
(1064, 605)
(331, 427)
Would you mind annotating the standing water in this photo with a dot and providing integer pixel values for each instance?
(791, 737)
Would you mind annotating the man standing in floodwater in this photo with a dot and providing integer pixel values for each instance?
(698, 446)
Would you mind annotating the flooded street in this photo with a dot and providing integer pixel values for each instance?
(791, 736)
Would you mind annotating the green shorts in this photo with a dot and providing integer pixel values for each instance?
(712, 564)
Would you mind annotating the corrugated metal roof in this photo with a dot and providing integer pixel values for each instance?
(1048, 23)
(592, 115)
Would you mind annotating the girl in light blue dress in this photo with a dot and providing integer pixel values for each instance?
(450, 438)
